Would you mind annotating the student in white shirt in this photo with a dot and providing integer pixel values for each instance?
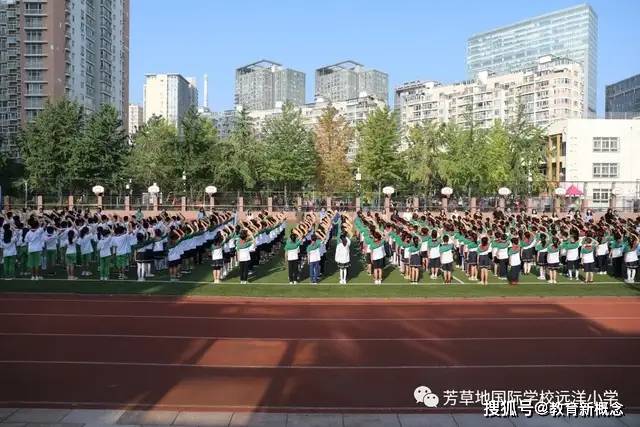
(35, 243)
(8, 240)
(343, 257)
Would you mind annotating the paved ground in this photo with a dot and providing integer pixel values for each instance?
(11, 417)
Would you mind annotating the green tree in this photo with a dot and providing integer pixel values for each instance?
(99, 155)
(290, 158)
(46, 145)
(422, 156)
(239, 161)
(332, 137)
(152, 158)
(377, 157)
(195, 150)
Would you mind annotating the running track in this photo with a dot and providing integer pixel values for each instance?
(307, 355)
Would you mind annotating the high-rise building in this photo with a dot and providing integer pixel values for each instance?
(623, 98)
(50, 49)
(169, 96)
(259, 86)
(349, 80)
(136, 118)
(569, 33)
(550, 91)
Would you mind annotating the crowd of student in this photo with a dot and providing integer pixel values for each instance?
(507, 245)
(35, 244)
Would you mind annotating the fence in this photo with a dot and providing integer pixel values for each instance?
(303, 201)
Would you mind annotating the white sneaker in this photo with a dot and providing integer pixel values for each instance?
(291, 283)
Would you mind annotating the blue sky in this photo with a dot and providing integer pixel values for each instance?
(409, 40)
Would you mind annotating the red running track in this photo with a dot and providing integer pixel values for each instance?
(308, 355)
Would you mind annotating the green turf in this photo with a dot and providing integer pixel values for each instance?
(270, 280)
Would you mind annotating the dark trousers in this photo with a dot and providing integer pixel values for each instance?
(514, 273)
(244, 270)
(502, 267)
(601, 262)
(617, 266)
(293, 270)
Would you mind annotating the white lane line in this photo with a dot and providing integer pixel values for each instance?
(310, 367)
(393, 339)
(317, 319)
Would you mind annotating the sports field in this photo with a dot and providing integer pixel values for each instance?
(270, 280)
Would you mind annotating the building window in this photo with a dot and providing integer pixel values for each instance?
(605, 144)
(601, 195)
(605, 170)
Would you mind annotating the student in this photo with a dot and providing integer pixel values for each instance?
(484, 260)
(377, 257)
(244, 246)
(121, 242)
(446, 259)
(616, 254)
(9, 251)
(70, 254)
(572, 248)
(173, 256)
(541, 258)
(502, 255)
(588, 259)
(51, 249)
(602, 252)
(104, 247)
(528, 246)
(292, 251)
(217, 258)
(85, 241)
(434, 254)
(313, 252)
(553, 260)
(140, 256)
(158, 250)
(515, 262)
(471, 246)
(343, 257)
(414, 260)
(630, 250)
(35, 243)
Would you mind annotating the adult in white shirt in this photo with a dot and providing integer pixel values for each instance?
(343, 257)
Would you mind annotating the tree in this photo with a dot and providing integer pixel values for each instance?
(196, 151)
(152, 158)
(46, 145)
(239, 161)
(290, 158)
(377, 156)
(100, 154)
(426, 146)
(332, 137)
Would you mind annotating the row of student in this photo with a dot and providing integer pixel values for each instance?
(37, 243)
(248, 244)
(309, 242)
(508, 245)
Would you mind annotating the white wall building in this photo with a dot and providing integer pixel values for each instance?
(601, 159)
(169, 96)
(550, 91)
(354, 111)
(136, 118)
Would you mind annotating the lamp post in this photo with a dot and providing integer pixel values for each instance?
(446, 192)
(503, 192)
(559, 192)
(98, 190)
(388, 191)
(154, 190)
(211, 190)
(358, 178)
(127, 197)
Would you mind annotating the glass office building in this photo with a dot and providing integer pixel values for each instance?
(623, 99)
(571, 33)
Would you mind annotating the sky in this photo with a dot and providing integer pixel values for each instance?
(409, 40)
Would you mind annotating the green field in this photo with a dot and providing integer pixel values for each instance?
(270, 280)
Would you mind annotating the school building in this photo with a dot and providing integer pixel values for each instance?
(599, 157)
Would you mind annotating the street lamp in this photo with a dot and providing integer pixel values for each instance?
(446, 192)
(154, 190)
(98, 190)
(211, 190)
(503, 192)
(358, 178)
(388, 191)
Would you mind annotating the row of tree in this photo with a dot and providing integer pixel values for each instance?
(65, 149)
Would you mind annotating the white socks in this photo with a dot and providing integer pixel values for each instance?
(343, 276)
(141, 270)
